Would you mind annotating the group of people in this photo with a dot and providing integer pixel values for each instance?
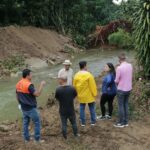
(83, 86)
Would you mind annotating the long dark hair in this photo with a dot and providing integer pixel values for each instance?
(112, 68)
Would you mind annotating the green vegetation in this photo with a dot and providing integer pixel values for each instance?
(121, 39)
(11, 65)
(12, 62)
(141, 22)
(75, 17)
(78, 18)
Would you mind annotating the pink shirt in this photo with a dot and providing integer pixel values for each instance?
(124, 76)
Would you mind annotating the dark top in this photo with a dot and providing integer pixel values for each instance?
(65, 95)
(27, 101)
(108, 85)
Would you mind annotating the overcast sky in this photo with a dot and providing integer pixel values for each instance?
(118, 2)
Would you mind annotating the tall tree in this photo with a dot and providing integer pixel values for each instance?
(36, 12)
(141, 22)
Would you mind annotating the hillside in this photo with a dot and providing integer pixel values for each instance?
(33, 42)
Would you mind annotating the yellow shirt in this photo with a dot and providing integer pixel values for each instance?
(85, 86)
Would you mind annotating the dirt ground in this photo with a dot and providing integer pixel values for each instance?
(33, 42)
(103, 136)
(39, 43)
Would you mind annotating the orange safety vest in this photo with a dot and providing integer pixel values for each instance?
(23, 86)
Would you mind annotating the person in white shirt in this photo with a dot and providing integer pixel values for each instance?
(67, 70)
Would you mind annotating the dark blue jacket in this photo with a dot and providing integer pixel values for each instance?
(108, 84)
(27, 101)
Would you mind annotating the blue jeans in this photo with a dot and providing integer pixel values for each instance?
(123, 98)
(34, 116)
(92, 112)
(72, 119)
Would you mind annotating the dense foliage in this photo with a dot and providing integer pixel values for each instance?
(141, 22)
(101, 34)
(67, 16)
(121, 39)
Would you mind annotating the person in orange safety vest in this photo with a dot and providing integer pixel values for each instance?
(26, 96)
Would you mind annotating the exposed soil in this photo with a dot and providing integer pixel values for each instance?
(38, 47)
(33, 42)
(103, 136)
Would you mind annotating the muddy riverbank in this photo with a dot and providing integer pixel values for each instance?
(102, 136)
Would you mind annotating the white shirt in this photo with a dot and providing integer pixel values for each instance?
(69, 75)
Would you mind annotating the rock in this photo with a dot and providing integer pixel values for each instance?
(14, 74)
(50, 62)
(4, 128)
(58, 57)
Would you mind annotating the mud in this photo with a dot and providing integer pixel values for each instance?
(102, 136)
(34, 42)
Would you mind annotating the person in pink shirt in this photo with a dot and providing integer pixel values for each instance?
(124, 87)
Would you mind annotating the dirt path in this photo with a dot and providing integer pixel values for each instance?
(101, 137)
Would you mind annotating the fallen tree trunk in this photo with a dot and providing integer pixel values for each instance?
(100, 36)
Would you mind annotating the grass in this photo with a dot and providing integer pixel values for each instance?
(76, 144)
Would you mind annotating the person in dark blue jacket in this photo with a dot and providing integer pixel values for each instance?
(108, 91)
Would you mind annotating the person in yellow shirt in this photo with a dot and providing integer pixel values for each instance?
(85, 86)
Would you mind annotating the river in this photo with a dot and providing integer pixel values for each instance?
(96, 60)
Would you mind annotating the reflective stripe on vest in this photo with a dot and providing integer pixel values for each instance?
(23, 86)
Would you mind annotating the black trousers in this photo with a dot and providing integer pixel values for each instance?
(72, 119)
(105, 98)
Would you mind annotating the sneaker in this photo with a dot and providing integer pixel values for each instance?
(101, 117)
(92, 124)
(77, 135)
(119, 125)
(82, 125)
(39, 141)
(108, 117)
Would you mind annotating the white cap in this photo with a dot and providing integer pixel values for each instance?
(67, 62)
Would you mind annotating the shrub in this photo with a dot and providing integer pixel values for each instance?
(13, 62)
(141, 96)
(79, 39)
(121, 39)
(141, 22)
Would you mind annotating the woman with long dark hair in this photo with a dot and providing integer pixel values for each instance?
(108, 91)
